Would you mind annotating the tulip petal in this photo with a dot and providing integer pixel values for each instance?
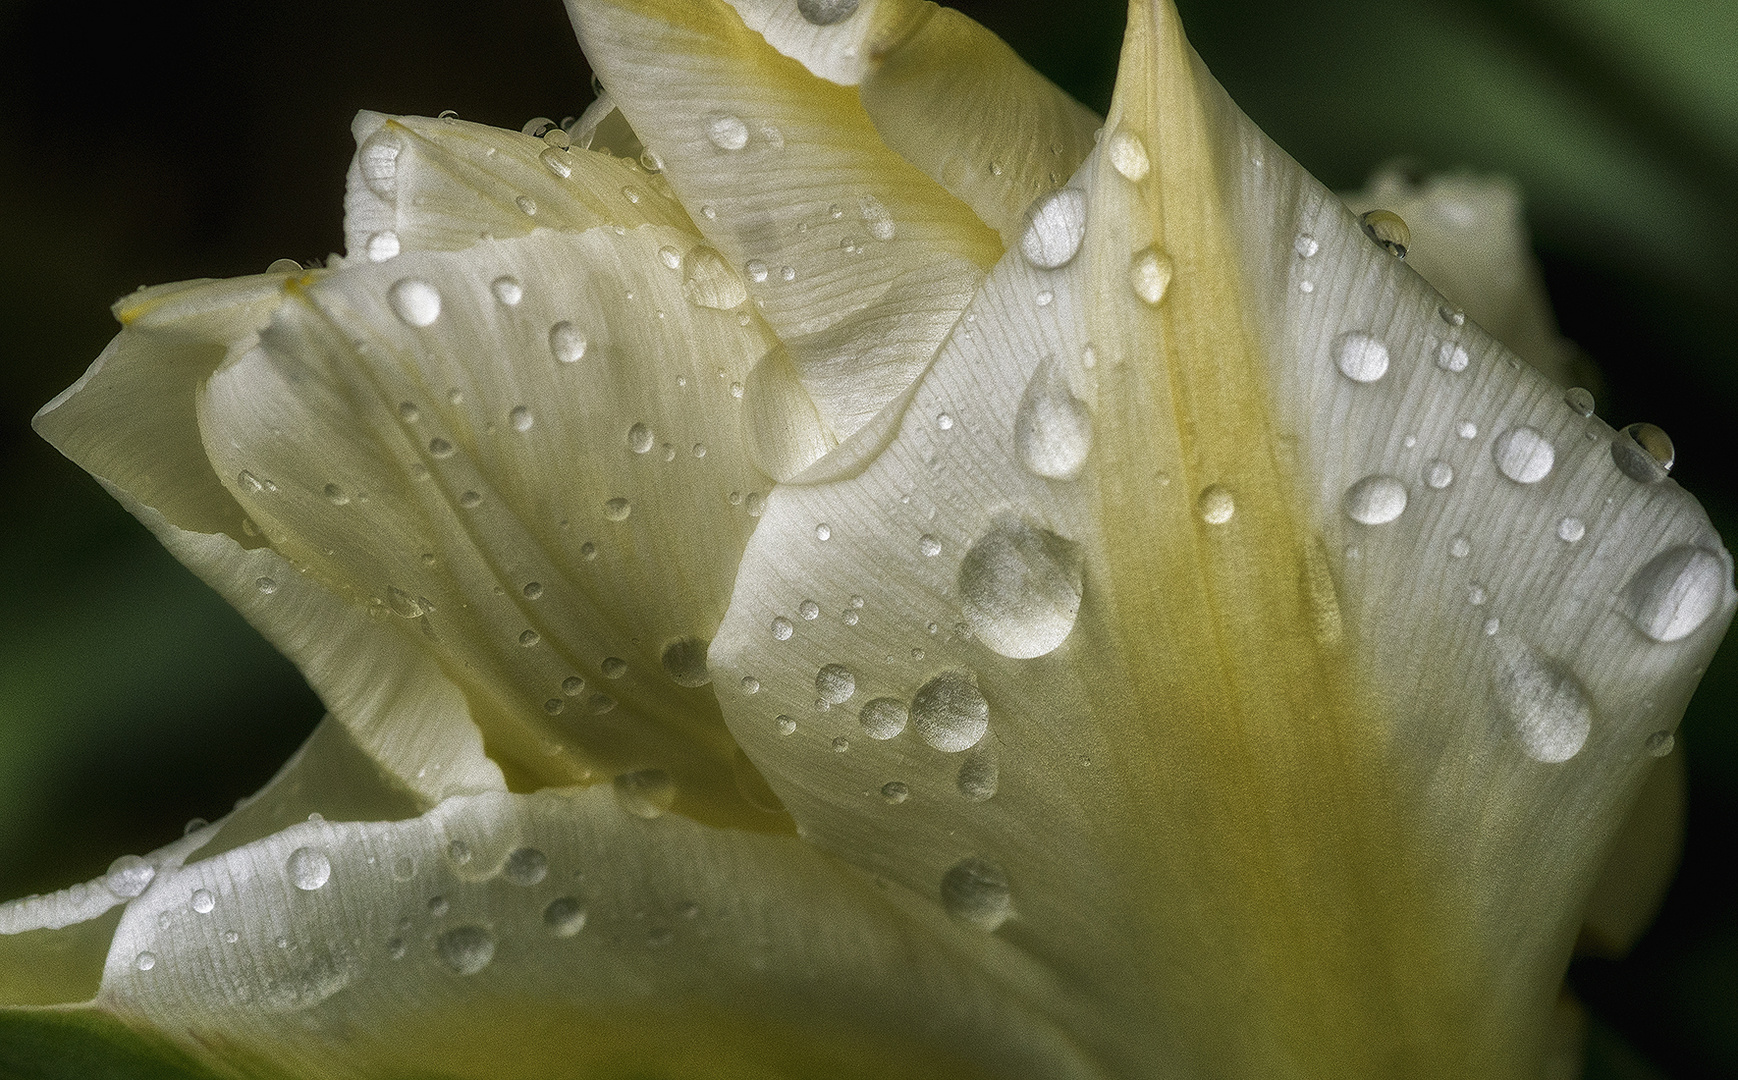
(528, 460)
(131, 421)
(651, 946)
(858, 261)
(1150, 642)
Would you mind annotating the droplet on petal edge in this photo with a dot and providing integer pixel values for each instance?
(1673, 594)
(308, 868)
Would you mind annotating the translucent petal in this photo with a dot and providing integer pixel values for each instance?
(453, 943)
(858, 261)
(543, 490)
(1289, 789)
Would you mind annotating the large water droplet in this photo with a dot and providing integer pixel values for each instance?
(1579, 399)
(1388, 229)
(1675, 591)
(950, 713)
(827, 12)
(415, 301)
(1644, 453)
(685, 662)
(1376, 500)
(976, 891)
(1150, 275)
(835, 684)
(979, 778)
(1052, 427)
(566, 342)
(1523, 455)
(308, 869)
(884, 717)
(1055, 226)
(564, 917)
(726, 132)
(526, 866)
(1545, 703)
(1361, 357)
(466, 949)
(647, 793)
(1128, 156)
(128, 876)
(1020, 587)
(377, 161)
(709, 282)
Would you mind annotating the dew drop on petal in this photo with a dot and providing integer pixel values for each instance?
(572, 685)
(1055, 227)
(557, 162)
(564, 917)
(128, 876)
(756, 270)
(709, 282)
(529, 638)
(202, 901)
(978, 779)
(440, 448)
(145, 961)
(1216, 504)
(810, 610)
(786, 725)
(826, 12)
(640, 439)
(507, 290)
(1452, 357)
(684, 662)
(1052, 427)
(876, 217)
(1376, 500)
(1545, 704)
(1128, 156)
(1439, 474)
(1579, 399)
(567, 343)
(377, 161)
(726, 132)
(884, 717)
(928, 545)
(617, 509)
(1523, 455)
(614, 667)
(1660, 743)
(1361, 357)
(1644, 453)
(1020, 589)
(381, 246)
(526, 866)
(308, 869)
(782, 629)
(521, 419)
(1673, 594)
(414, 301)
(526, 204)
(1570, 530)
(823, 531)
(949, 713)
(835, 684)
(466, 949)
(1306, 245)
(647, 793)
(1150, 275)
(976, 891)
(895, 792)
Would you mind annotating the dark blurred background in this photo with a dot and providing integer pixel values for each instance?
(206, 139)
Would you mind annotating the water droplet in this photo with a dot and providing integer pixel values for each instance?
(553, 706)
(876, 217)
(647, 793)
(203, 902)
(529, 638)
(884, 717)
(640, 439)
(841, 745)
(1216, 505)
(1660, 743)
(536, 126)
(1523, 455)
(949, 713)
(1020, 589)
(308, 869)
(507, 290)
(556, 161)
(128, 876)
(617, 509)
(1055, 227)
(1580, 400)
(726, 132)
(1375, 500)
(1306, 245)
(230, 937)
(835, 684)
(976, 891)
(826, 12)
(1451, 356)
(929, 546)
(466, 949)
(750, 684)
(404, 605)
(1466, 429)
(415, 301)
(1439, 474)
(1388, 229)
(521, 419)
(1570, 529)
(1674, 592)
(782, 628)
(979, 778)
(685, 662)
(145, 961)
(470, 500)
(526, 866)
(1128, 156)
(380, 246)
(1150, 275)
(786, 725)
(670, 257)
(566, 342)
(756, 270)
(564, 917)
(1452, 316)
(709, 282)
(614, 667)
(440, 448)
(377, 161)
(1361, 357)
(265, 585)
(1545, 703)
(1052, 427)
(1644, 453)
(823, 531)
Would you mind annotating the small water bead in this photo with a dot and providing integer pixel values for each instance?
(230, 937)
(648, 793)
(1450, 356)
(529, 638)
(1216, 505)
(670, 257)
(823, 531)
(782, 629)
(1644, 453)
(1388, 229)
(684, 661)
(876, 218)
(377, 161)
(1052, 427)
(826, 12)
(1660, 744)
(308, 868)
(1523, 455)
(1305, 245)
(572, 685)
(203, 902)
(567, 343)
(470, 500)
(709, 282)
(850, 618)
(835, 684)
(438, 906)
(1360, 356)
(1439, 474)
(145, 961)
(1306, 287)
(614, 667)
(756, 270)
(521, 419)
(884, 717)
(1020, 589)
(564, 917)
(536, 126)
(895, 792)
(1570, 530)
(414, 301)
(808, 609)
(557, 138)
(699, 450)
(1055, 227)
(1580, 400)
(786, 725)
(1466, 429)
(588, 551)
(640, 439)
(466, 949)
(979, 779)
(1376, 500)
(750, 684)
(1452, 316)
(1460, 547)
(380, 246)
(265, 585)
(557, 162)
(841, 745)
(1128, 156)
(726, 132)
(1476, 595)
(526, 866)
(1545, 704)
(929, 545)
(1492, 626)
(617, 509)
(128, 876)
(633, 194)
(1150, 275)
(976, 891)
(1675, 592)
(950, 713)
(554, 706)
